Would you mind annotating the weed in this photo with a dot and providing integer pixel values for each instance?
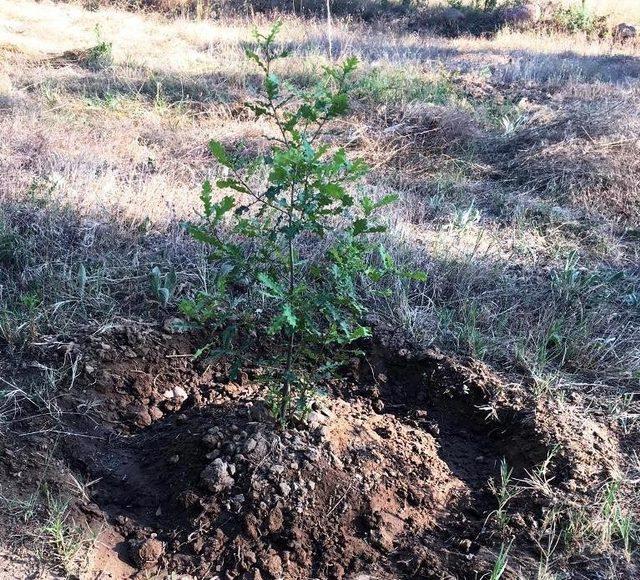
(8, 246)
(392, 86)
(539, 479)
(62, 536)
(579, 18)
(504, 492)
(25, 509)
(548, 539)
(163, 286)
(467, 333)
(500, 565)
(465, 218)
(100, 56)
(615, 523)
(571, 282)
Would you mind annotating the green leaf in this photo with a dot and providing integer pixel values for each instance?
(201, 351)
(359, 332)
(350, 65)
(221, 156)
(416, 275)
(387, 200)
(205, 197)
(82, 278)
(171, 280)
(231, 183)
(165, 295)
(367, 205)
(272, 86)
(224, 205)
(156, 278)
(290, 317)
(201, 235)
(359, 226)
(275, 290)
(339, 105)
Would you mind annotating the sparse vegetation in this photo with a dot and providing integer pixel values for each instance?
(100, 56)
(504, 491)
(504, 379)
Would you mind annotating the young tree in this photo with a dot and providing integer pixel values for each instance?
(261, 235)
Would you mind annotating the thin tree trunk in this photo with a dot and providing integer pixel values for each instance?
(329, 30)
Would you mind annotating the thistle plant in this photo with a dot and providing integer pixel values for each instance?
(297, 238)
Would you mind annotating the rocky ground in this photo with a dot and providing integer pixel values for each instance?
(184, 472)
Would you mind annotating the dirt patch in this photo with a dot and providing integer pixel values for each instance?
(390, 477)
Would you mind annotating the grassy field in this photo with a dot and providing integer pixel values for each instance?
(515, 159)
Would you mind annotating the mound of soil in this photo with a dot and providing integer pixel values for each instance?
(389, 477)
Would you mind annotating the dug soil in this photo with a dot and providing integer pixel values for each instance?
(182, 473)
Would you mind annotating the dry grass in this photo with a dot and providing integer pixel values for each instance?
(515, 159)
(625, 10)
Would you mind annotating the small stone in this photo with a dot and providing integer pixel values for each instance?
(147, 553)
(155, 413)
(143, 418)
(275, 520)
(216, 477)
(198, 545)
(180, 394)
(273, 564)
(316, 420)
(285, 488)
(174, 459)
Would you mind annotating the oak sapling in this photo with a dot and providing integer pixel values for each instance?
(260, 235)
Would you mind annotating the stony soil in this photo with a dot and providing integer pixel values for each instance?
(389, 477)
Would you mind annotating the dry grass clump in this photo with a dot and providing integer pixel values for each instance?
(435, 129)
(587, 154)
(92, 270)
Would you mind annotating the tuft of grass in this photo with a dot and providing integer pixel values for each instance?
(504, 491)
(100, 56)
(60, 535)
(615, 523)
(500, 565)
(389, 85)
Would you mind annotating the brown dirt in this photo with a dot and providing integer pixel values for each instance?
(389, 478)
